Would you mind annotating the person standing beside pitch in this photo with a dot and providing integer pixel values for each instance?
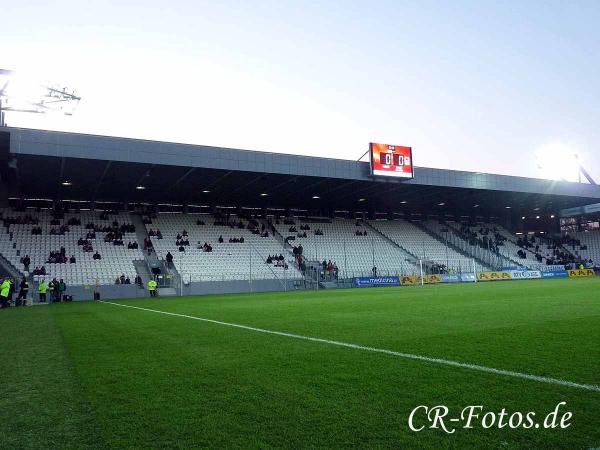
(4, 293)
(23, 291)
(42, 289)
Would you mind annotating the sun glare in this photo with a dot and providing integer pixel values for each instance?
(557, 161)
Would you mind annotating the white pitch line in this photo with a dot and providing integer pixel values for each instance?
(446, 362)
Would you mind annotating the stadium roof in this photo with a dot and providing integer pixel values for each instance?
(119, 169)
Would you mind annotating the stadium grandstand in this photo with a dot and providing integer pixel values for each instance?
(102, 212)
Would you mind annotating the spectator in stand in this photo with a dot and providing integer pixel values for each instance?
(138, 280)
(72, 259)
(220, 239)
(169, 258)
(118, 280)
(97, 256)
(26, 262)
(302, 266)
(122, 278)
(127, 281)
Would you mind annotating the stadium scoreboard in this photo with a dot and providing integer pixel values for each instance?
(391, 160)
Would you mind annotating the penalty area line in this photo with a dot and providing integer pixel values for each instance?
(441, 361)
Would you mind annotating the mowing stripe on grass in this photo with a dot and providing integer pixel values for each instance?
(447, 362)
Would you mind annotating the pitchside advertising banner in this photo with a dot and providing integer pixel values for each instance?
(554, 268)
(581, 273)
(376, 281)
(494, 276)
(391, 160)
(525, 274)
(458, 278)
(414, 279)
(504, 275)
(450, 278)
(468, 278)
(509, 275)
(555, 273)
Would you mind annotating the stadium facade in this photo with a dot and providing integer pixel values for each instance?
(98, 173)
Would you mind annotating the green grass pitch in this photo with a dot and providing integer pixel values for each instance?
(99, 376)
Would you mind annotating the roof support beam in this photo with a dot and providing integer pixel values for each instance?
(101, 180)
(244, 186)
(180, 179)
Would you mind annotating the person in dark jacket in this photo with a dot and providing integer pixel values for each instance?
(23, 291)
(53, 285)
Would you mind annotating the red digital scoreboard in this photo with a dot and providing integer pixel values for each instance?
(391, 160)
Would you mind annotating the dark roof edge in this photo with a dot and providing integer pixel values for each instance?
(88, 146)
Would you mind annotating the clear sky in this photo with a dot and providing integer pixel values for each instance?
(472, 85)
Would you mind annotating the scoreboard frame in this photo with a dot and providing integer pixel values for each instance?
(389, 172)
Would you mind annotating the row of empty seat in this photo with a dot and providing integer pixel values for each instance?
(354, 254)
(356, 247)
(226, 261)
(590, 241)
(424, 246)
